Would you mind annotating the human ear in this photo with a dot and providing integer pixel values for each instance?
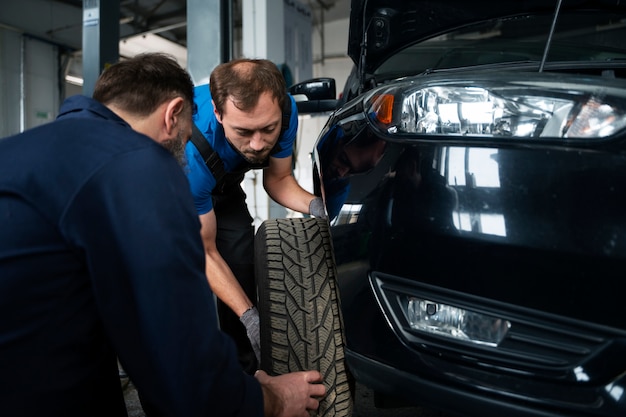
(218, 116)
(173, 112)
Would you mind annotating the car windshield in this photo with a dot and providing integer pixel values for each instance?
(579, 38)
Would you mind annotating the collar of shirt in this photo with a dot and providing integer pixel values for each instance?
(82, 106)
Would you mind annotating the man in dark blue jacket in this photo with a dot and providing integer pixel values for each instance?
(101, 257)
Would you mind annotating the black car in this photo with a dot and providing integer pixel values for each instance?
(474, 173)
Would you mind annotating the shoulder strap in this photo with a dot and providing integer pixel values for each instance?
(210, 157)
(285, 124)
(286, 114)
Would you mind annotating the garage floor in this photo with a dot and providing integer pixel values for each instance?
(364, 405)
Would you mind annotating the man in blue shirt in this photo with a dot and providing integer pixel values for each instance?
(246, 120)
(101, 257)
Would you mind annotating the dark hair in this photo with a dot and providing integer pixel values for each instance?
(142, 83)
(244, 80)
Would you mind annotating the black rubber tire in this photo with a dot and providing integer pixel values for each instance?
(299, 307)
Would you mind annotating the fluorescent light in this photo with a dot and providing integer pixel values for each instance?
(72, 79)
(147, 42)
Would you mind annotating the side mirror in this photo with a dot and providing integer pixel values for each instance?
(317, 95)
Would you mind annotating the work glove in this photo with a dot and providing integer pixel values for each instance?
(250, 319)
(316, 208)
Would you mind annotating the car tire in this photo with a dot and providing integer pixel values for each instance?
(299, 307)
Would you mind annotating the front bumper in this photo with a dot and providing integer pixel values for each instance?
(471, 400)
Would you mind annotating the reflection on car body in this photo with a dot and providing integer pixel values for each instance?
(481, 247)
(348, 153)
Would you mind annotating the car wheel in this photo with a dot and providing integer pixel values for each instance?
(299, 308)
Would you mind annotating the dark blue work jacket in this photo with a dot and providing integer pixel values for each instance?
(101, 256)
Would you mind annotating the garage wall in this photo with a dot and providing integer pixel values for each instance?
(9, 82)
(330, 59)
(30, 89)
(29, 82)
(41, 86)
(334, 63)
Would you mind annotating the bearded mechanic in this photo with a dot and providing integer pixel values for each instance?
(245, 120)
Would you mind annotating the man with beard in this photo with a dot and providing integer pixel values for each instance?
(101, 257)
(245, 120)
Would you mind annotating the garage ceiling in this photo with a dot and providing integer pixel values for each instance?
(144, 24)
(167, 18)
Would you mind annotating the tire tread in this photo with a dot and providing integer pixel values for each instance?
(301, 323)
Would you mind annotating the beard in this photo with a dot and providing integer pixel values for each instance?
(177, 148)
(255, 158)
(251, 156)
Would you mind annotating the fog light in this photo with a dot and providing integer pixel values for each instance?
(454, 322)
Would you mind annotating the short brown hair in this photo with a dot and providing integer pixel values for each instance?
(244, 80)
(142, 83)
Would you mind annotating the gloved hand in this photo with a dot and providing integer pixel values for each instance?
(316, 208)
(250, 319)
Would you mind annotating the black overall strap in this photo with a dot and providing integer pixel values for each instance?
(210, 157)
(284, 124)
(286, 115)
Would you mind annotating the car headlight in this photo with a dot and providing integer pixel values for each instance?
(455, 322)
(501, 108)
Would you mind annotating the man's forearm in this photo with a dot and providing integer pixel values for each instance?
(225, 285)
(288, 193)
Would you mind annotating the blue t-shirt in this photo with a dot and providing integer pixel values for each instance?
(200, 177)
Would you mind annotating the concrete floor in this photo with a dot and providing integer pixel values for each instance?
(363, 407)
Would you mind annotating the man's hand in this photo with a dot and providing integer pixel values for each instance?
(250, 319)
(292, 394)
(316, 208)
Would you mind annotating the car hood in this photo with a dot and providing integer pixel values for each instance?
(378, 28)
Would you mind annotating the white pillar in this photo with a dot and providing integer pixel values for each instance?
(209, 37)
(263, 27)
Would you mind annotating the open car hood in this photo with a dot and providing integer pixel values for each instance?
(378, 28)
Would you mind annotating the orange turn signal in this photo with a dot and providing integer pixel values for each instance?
(383, 107)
